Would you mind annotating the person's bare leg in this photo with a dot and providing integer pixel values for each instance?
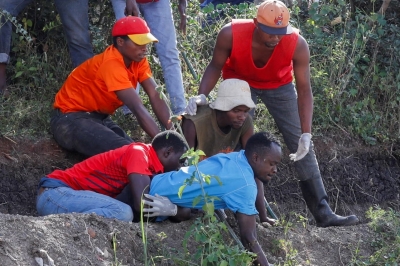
(3, 79)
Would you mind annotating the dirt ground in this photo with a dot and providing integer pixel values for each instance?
(356, 177)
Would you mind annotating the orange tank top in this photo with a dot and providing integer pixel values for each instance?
(276, 72)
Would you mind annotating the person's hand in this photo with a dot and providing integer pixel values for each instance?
(304, 146)
(182, 13)
(191, 108)
(131, 8)
(161, 206)
(268, 222)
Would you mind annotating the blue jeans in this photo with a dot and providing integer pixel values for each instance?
(67, 200)
(158, 16)
(75, 20)
(14, 7)
(87, 133)
(282, 105)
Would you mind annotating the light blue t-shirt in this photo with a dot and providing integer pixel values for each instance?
(238, 190)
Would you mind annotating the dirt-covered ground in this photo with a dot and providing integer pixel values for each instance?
(356, 177)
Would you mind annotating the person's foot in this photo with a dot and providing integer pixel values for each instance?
(337, 220)
(3, 81)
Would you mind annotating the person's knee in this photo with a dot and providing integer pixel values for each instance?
(125, 214)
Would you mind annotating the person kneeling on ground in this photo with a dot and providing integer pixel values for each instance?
(98, 87)
(90, 186)
(223, 126)
(238, 172)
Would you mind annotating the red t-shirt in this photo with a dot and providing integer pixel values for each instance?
(240, 65)
(91, 86)
(107, 173)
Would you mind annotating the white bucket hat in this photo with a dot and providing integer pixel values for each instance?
(232, 93)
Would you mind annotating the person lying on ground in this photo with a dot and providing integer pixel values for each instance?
(238, 172)
(272, 57)
(225, 126)
(90, 186)
(95, 89)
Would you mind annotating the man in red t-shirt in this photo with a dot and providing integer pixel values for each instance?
(91, 186)
(266, 52)
(96, 88)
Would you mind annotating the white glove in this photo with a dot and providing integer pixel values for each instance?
(191, 108)
(304, 146)
(161, 206)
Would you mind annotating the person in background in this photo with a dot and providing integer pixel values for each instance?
(95, 89)
(238, 172)
(266, 51)
(225, 126)
(75, 20)
(218, 13)
(91, 185)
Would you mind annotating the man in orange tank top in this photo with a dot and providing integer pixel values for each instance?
(266, 52)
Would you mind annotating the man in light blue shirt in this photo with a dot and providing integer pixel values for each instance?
(237, 171)
(237, 192)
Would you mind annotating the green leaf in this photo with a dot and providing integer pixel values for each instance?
(19, 74)
(207, 179)
(223, 263)
(180, 192)
(208, 208)
(196, 200)
(218, 179)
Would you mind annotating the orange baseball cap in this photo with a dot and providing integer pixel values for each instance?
(135, 28)
(273, 18)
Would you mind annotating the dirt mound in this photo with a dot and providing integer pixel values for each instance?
(356, 177)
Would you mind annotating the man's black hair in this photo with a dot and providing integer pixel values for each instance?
(260, 143)
(125, 37)
(169, 138)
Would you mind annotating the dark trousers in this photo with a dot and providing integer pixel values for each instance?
(87, 133)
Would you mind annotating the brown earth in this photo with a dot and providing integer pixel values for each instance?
(356, 177)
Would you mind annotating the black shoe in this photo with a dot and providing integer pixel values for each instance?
(317, 201)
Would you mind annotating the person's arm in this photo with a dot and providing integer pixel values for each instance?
(301, 68)
(131, 8)
(139, 185)
(158, 105)
(182, 13)
(189, 131)
(222, 51)
(248, 236)
(260, 202)
(131, 99)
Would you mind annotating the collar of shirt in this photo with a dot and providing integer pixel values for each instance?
(155, 165)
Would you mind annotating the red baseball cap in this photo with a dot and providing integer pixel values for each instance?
(273, 18)
(135, 28)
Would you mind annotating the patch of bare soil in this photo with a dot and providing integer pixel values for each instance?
(356, 177)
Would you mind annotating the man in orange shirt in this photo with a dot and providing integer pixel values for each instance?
(96, 88)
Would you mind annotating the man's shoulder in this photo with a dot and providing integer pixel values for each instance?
(138, 146)
(110, 58)
(203, 112)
